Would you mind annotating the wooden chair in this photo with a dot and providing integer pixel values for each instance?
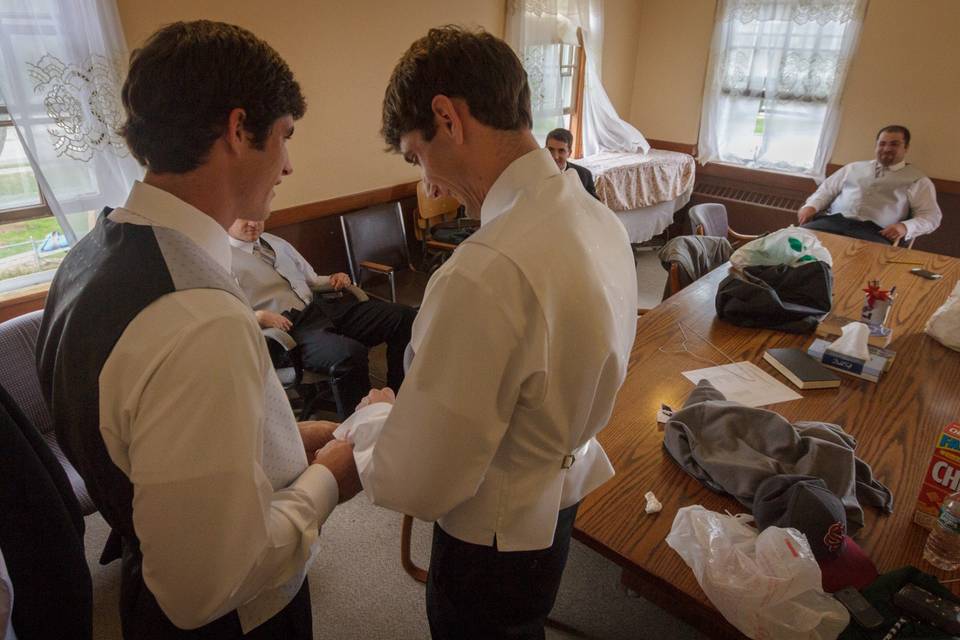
(415, 572)
(710, 219)
(378, 255)
(433, 214)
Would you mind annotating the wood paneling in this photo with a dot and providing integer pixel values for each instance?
(340, 205)
(314, 229)
(679, 147)
(749, 218)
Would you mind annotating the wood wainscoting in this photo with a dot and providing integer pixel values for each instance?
(762, 201)
(313, 228)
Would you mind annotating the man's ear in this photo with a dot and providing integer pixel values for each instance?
(236, 135)
(448, 115)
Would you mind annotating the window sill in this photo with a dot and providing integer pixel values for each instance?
(23, 300)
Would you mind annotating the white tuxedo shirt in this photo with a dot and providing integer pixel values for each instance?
(520, 347)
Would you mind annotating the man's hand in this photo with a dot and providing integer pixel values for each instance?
(315, 434)
(378, 395)
(894, 232)
(339, 281)
(806, 214)
(270, 320)
(337, 456)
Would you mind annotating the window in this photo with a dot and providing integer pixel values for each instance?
(556, 87)
(31, 240)
(62, 161)
(774, 83)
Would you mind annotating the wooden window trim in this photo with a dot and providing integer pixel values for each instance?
(576, 114)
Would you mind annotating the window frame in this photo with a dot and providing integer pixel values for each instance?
(21, 214)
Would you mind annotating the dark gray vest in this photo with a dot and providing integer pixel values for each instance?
(108, 278)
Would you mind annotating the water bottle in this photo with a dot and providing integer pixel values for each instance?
(943, 544)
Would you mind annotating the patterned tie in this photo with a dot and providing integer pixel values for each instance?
(265, 252)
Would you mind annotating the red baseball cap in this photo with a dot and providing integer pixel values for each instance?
(806, 504)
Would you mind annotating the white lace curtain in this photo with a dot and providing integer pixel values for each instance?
(536, 29)
(61, 69)
(774, 82)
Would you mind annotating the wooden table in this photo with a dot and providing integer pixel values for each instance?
(895, 421)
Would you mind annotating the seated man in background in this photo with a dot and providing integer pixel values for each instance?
(280, 284)
(882, 200)
(560, 144)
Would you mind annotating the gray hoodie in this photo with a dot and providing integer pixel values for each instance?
(732, 448)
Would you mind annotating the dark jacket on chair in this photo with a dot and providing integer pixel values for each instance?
(586, 178)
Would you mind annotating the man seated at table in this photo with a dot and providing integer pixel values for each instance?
(882, 200)
(560, 143)
(280, 285)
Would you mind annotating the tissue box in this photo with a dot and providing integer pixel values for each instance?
(942, 477)
(866, 369)
(832, 327)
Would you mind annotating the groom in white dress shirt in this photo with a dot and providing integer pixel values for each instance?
(518, 350)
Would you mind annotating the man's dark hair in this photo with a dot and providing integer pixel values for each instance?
(472, 65)
(896, 128)
(183, 84)
(562, 135)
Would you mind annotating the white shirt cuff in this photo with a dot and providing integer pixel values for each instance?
(318, 482)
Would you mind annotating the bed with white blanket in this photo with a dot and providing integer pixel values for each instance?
(645, 190)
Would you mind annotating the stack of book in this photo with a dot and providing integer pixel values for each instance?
(801, 369)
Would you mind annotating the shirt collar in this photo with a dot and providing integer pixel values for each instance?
(526, 170)
(243, 245)
(163, 209)
(893, 167)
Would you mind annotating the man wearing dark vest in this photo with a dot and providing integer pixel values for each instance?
(560, 144)
(280, 285)
(883, 200)
(160, 385)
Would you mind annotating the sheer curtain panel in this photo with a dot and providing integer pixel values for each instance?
(774, 82)
(543, 32)
(61, 69)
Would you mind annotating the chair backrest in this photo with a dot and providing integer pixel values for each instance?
(709, 219)
(375, 234)
(431, 211)
(18, 368)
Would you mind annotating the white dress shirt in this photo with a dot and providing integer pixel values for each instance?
(225, 505)
(884, 195)
(520, 347)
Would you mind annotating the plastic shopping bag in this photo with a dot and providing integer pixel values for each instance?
(792, 246)
(944, 324)
(767, 586)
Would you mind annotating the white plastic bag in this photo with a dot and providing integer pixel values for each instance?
(767, 586)
(944, 324)
(792, 246)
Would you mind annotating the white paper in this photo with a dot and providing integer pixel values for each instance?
(744, 382)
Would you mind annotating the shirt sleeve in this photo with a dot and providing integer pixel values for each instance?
(925, 211)
(212, 530)
(437, 443)
(828, 190)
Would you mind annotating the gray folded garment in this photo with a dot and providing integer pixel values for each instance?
(732, 448)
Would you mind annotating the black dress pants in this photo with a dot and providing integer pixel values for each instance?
(329, 332)
(475, 592)
(841, 225)
(141, 617)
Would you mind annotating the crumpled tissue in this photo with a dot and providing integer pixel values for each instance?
(853, 341)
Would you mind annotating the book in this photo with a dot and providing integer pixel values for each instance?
(868, 369)
(832, 327)
(800, 369)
